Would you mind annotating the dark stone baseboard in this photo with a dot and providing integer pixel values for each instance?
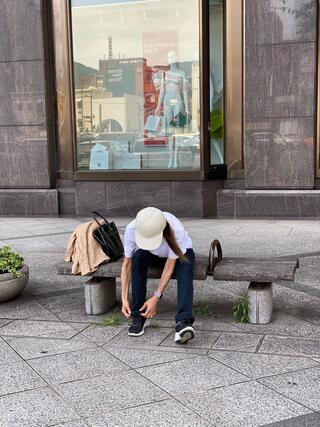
(268, 203)
(26, 202)
(119, 198)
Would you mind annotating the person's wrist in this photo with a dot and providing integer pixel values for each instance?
(157, 295)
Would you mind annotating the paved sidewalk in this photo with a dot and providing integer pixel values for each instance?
(60, 369)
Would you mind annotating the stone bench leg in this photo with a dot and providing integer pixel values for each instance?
(260, 302)
(100, 295)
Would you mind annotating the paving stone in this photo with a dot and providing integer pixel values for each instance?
(44, 282)
(309, 347)
(261, 365)
(59, 239)
(284, 324)
(298, 304)
(77, 365)
(308, 273)
(202, 339)
(41, 229)
(238, 342)
(301, 386)
(309, 420)
(42, 259)
(79, 315)
(24, 308)
(159, 414)
(162, 323)
(9, 231)
(138, 358)
(18, 376)
(59, 303)
(41, 407)
(30, 348)
(34, 328)
(4, 322)
(33, 244)
(246, 404)
(100, 335)
(193, 374)
(211, 324)
(75, 423)
(151, 337)
(101, 395)
(7, 354)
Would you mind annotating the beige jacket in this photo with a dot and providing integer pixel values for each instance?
(84, 251)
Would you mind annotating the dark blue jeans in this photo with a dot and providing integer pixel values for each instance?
(141, 260)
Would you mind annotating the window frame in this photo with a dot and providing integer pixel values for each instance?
(233, 121)
(317, 145)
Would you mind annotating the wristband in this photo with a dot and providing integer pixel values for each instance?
(158, 294)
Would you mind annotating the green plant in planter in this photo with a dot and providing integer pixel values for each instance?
(10, 262)
(241, 309)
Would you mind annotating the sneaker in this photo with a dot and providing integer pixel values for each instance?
(136, 328)
(184, 332)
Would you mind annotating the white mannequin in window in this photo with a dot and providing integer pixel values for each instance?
(173, 99)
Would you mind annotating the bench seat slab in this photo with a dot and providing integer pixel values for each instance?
(255, 270)
(113, 269)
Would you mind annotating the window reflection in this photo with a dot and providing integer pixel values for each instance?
(136, 75)
(216, 82)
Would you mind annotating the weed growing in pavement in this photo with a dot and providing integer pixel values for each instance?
(203, 309)
(241, 309)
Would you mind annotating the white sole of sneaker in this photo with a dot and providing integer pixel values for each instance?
(131, 334)
(147, 322)
(184, 336)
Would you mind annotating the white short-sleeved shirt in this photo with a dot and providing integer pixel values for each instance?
(163, 251)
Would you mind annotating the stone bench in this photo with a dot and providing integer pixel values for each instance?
(100, 290)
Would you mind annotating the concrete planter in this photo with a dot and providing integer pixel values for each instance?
(260, 303)
(10, 286)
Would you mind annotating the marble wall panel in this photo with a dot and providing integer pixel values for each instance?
(226, 204)
(280, 93)
(20, 202)
(280, 21)
(90, 196)
(20, 30)
(279, 153)
(294, 204)
(209, 197)
(67, 201)
(186, 198)
(280, 81)
(22, 93)
(24, 157)
(127, 198)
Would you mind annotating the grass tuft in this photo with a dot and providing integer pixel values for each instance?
(203, 309)
(111, 320)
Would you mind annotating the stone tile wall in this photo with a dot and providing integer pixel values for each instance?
(118, 198)
(24, 161)
(280, 93)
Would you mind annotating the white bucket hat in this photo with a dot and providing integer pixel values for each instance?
(149, 225)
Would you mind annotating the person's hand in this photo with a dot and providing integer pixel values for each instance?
(126, 309)
(149, 308)
(157, 111)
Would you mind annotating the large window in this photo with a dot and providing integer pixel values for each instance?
(137, 85)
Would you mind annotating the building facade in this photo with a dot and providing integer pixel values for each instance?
(199, 107)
